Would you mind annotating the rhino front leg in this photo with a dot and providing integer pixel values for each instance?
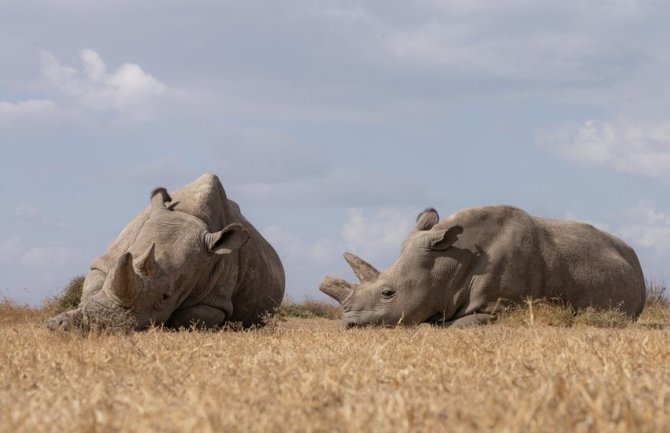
(202, 316)
(470, 320)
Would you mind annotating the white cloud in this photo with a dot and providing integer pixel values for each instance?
(375, 235)
(510, 40)
(265, 157)
(47, 256)
(24, 111)
(27, 212)
(335, 188)
(24, 108)
(626, 148)
(10, 249)
(128, 91)
(645, 225)
(293, 249)
(378, 237)
(16, 251)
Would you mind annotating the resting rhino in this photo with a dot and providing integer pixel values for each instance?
(456, 271)
(194, 260)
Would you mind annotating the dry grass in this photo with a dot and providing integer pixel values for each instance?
(310, 375)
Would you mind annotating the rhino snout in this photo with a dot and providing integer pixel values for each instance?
(59, 322)
(65, 321)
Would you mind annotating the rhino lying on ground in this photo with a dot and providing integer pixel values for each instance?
(189, 258)
(456, 271)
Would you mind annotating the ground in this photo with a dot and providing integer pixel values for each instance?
(310, 375)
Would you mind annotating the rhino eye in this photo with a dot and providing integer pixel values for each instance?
(388, 293)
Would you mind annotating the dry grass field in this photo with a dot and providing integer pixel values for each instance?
(536, 370)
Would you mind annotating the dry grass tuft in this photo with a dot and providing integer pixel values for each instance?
(602, 318)
(657, 308)
(11, 313)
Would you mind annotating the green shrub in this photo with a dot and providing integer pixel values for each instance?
(311, 309)
(71, 296)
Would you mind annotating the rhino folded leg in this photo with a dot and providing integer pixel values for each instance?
(470, 320)
(202, 316)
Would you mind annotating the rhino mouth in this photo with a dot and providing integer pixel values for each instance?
(352, 325)
(359, 319)
(95, 316)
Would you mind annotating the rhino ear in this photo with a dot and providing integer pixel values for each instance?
(146, 263)
(159, 197)
(427, 219)
(231, 238)
(440, 240)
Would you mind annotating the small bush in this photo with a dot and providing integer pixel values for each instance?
(71, 296)
(311, 309)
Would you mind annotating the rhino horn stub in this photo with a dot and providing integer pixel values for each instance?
(159, 197)
(363, 270)
(122, 280)
(336, 288)
(146, 263)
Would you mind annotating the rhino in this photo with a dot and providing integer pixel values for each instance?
(459, 271)
(189, 258)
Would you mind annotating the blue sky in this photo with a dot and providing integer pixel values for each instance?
(331, 123)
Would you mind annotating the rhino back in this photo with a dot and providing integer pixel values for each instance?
(520, 256)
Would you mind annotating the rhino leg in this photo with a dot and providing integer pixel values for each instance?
(470, 320)
(202, 316)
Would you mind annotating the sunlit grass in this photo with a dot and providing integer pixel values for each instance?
(548, 374)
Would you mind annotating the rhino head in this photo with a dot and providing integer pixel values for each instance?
(172, 253)
(406, 293)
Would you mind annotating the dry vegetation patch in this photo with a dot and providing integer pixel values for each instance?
(310, 375)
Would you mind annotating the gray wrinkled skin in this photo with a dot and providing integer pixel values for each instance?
(187, 259)
(456, 272)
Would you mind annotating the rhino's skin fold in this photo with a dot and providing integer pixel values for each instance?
(457, 271)
(189, 258)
